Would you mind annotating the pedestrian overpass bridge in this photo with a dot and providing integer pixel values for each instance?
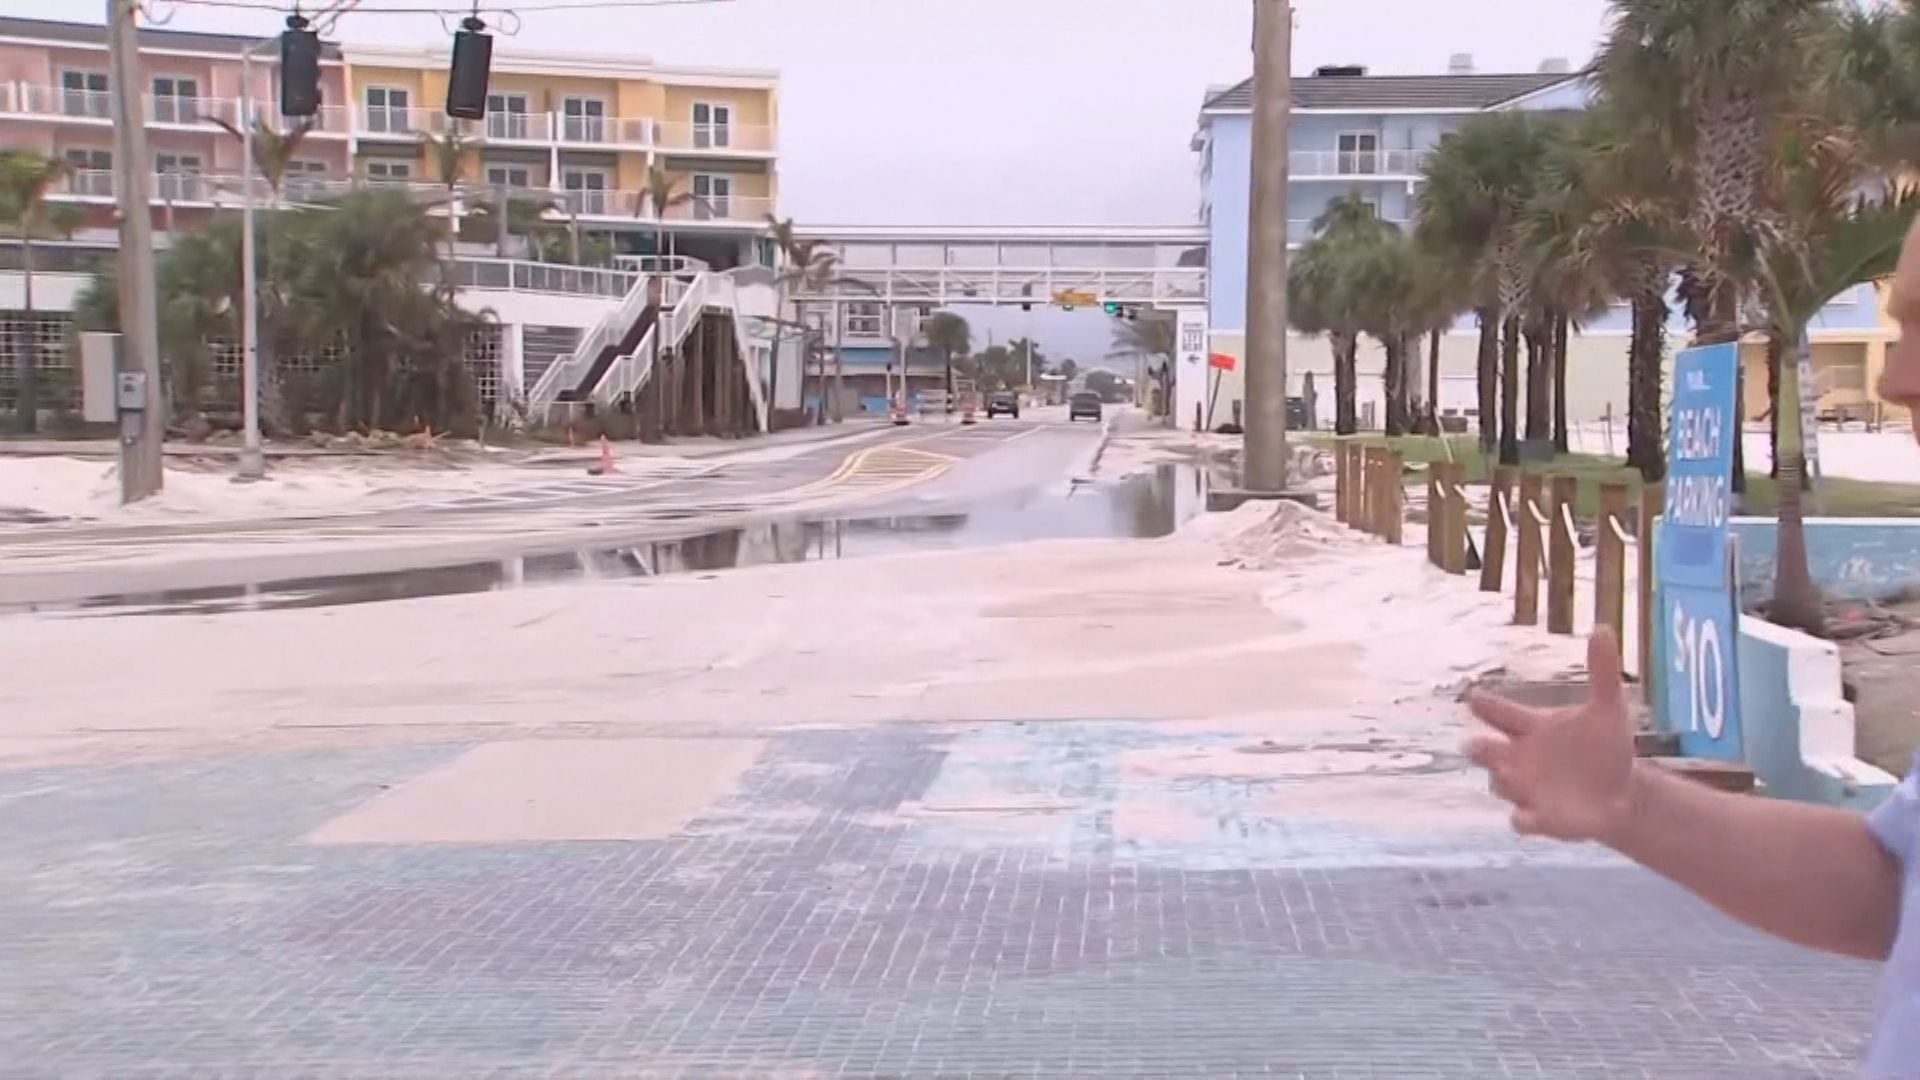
(576, 335)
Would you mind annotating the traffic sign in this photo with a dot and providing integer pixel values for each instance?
(1071, 298)
(1698, 629)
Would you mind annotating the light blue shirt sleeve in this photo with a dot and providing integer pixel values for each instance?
(1893, 821)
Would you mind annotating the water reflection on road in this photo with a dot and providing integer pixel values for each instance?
(1146, 505)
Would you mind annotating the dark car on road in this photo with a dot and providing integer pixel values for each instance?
(1003, 403)
(1083, 404)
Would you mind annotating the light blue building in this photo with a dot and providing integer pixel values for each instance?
(1355, 133)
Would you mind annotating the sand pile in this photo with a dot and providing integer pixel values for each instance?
(1261, 536)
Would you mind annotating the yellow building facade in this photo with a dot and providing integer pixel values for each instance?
(585, 133)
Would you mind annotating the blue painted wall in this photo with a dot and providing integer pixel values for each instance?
(1849, 558)
(1228, 191)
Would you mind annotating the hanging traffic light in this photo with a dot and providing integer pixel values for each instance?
(472, 66)
(299, 68)
(1111, 307)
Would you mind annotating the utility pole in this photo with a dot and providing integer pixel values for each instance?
(1265, 467)
(141, 431)
(253, 461)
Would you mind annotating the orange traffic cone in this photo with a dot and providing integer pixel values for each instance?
(605, 468)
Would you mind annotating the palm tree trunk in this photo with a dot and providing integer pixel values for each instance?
(1346, 419)
(1562, 330)
(1796, 603)
(1433, 382)
(1510, 391)
(1776, 352)
(29, 403)
(1393, 384)
(1646, 349)
(1487, 379)
(1538, 411)
(1722, 325)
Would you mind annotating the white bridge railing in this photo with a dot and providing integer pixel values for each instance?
(1011, 285)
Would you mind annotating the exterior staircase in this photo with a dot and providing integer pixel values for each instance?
(543, 346)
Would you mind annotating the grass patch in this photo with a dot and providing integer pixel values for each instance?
(1837, 496)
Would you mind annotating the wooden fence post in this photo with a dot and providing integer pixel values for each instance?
(1436, 512)
(1377, 491)
(1653, 500)
(1365, 490)
(1563, 549)
(1526, 568)
(1453, 543)
(1342, 483)
(1610, 561)
(1493, 560)
(1393, 496)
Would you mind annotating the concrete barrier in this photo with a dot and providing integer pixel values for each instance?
(1797, 726)
(1849, 558)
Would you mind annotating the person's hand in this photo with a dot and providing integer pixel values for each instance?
(1567, 771)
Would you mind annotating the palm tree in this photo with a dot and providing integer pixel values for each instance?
(274, 150)
(807, 265)
(26, 180)
(1326, 290)
(1832, 238)
(1718, 79)
(1387, 289)
(1479, 181)
(950, 335)
(451, 152)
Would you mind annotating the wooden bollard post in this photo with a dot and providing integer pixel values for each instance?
(1610, 562)
(1562, 551)
(1342, 483)
(1358, 489)
(1653, 500)
(1453, 542)
(1393, 496)
(1376, 487)
(1436, 513)
(1493, 560)
(1526, 567)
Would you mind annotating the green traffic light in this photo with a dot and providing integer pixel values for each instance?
(1111, 308)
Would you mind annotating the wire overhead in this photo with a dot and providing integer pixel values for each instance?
(453, 8)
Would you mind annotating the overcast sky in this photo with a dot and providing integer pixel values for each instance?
(985, 111)
(981, 112)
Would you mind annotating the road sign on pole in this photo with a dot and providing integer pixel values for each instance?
(1699, 624)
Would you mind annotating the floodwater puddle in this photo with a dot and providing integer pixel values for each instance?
(1146, 505)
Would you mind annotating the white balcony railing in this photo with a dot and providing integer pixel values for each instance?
(603, 131)
(713, 138)
(1313, 163)
(517, 275)
(403, 122)
(519, 127)
(329, 120)
(226, 188)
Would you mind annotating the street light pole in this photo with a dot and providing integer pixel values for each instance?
(253, 461)
(142, 432)
(1266, 438)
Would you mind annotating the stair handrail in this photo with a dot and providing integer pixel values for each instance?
(679, 314)
(611, 328)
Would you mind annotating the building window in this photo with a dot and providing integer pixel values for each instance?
(390, 171)
(92, 172)
(509, 176)
(304, 178)
(583, 120)
(176, 101)
(712, 196)
(863, 319)
(177, 177)
(84, 93)
(389, 110)
(509, 116)
(1359, 152)
(712, 126)
(586, 190)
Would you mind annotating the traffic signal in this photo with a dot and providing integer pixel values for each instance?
(1111, 308)
(299, 69)
(472, 66)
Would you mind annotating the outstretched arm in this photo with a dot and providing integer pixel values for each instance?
(1813, 875)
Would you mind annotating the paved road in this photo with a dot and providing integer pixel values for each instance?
(551, 513)
(961, 902)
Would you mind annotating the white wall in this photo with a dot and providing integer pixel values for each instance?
(51, 292)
